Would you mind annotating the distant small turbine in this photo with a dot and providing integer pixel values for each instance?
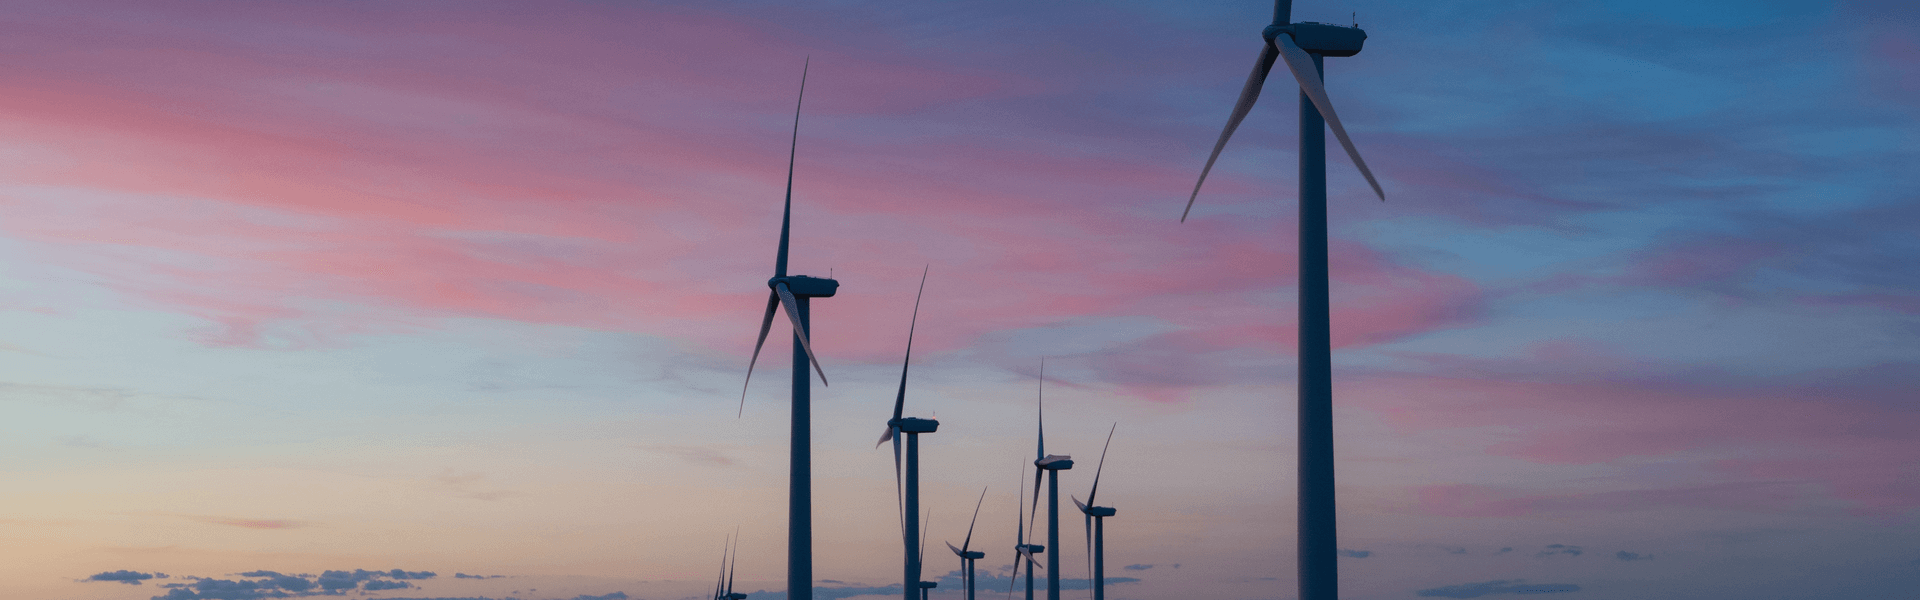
(912, 427)
(1023, 551)
(965, 552)
(925, 586)
(793, 293)
(1050, 465)
(724, 589)
(1096, 525)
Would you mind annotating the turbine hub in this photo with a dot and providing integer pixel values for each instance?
(974, 555)
(1324, 39)
(802, 285)
(1032, 548)
(1099, 511)
(1055, 462)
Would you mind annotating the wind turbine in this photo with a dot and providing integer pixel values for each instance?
(794, 293)
(926, 587)
(723, 590)
(1096, 525)
(912, 427)
(1050, 465)
(1303, 46)
(1023, 551)
(965, 552)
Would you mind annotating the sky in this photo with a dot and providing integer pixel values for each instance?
(454, 299)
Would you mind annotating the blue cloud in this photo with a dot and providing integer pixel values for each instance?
(262, 584)
(1355, 553)
(1489, 588)
(1631, 556)
(1553, 549)
(125, 576)
(1137, 567)
(378, 584)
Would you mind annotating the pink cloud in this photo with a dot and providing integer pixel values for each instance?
(1468, 500)
(1857, 430)
(250, 523)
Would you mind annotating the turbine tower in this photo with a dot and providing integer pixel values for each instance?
(1023, 551)
(794, 293)
(1303, 46)
(912, 427)
(1049, 465)
(1096, 525)
(965, 552)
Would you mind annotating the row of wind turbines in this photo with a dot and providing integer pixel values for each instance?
(1303, 46)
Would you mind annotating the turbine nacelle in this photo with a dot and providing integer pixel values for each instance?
(1324, 39)
(1094, 511)
(927, 585)
(736, 596)
(914, 425)
(802, 285)
(1054, 462)
(1031, 548)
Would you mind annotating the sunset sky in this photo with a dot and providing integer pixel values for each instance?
(468, 289)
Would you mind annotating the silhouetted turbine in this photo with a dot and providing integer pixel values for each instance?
(794, 293)
(1051, 465)
(1303, 46)
(1096, 526)
(965, 552)
(912, 427)
(1023, 551)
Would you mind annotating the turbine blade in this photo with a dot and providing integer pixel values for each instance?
(786, 218)
(1033, 512)
(1248, 95)
(899, 496)
(766, 323)
(1089, 523)
(1076, 502)
(735, 563)
(1041, 451)
(799, 331)
(926, 525)
(968, 544)
(1015, 578)
(1102, 465)
(1020, 516)
(900, 401)
(884, 437)
(1310, 82)
(956, 551)
(721, 579)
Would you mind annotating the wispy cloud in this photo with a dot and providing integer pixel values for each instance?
(699, 455)
(248, 523)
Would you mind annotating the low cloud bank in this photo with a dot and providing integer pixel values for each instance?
(1489, 588)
